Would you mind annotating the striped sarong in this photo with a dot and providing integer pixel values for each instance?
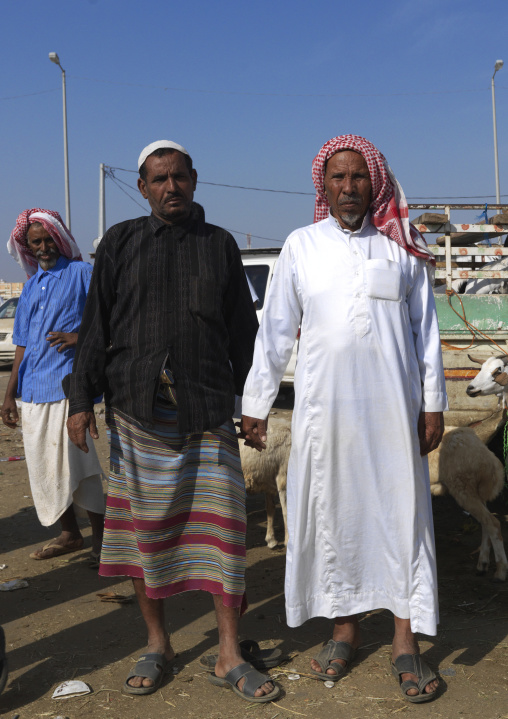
(175, 513)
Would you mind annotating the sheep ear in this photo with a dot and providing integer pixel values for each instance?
(503, 357)
(476, 359)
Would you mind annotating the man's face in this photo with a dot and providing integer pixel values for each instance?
(348, 188)
(169, 186)
(42, 246)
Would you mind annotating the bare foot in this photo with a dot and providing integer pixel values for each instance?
(404, 642)
(346, 629)
(154, 648)
(230, 661)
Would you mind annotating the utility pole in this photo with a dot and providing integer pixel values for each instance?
(102, 201)
(53, 56)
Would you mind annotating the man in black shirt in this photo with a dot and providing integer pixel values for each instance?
(168, 334)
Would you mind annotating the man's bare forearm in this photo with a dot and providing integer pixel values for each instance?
(9, 410)
(12, 385)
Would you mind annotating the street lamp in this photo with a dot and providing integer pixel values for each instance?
(499, 64)
(54, 58)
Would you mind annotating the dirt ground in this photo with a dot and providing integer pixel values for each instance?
(57, 629)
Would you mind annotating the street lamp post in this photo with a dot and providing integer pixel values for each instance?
(499, 64)
(54, 58)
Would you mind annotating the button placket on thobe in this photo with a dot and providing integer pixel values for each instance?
(357, 263)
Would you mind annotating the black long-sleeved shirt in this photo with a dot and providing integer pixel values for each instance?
(165, 295)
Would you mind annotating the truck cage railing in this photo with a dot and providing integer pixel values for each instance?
(467, 270)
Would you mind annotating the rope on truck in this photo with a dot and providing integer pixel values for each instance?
(472, 328)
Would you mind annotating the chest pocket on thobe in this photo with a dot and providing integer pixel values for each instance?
(383, 280)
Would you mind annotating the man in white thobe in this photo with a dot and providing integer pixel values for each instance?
(369, 397)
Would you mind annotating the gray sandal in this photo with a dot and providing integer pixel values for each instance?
(252, 653)
(253, 680)
(149, 666)
(414, 664)
(333, 650)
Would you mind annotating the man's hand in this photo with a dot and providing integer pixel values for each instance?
(430, 431)
(64, 339)
(77, 426)
(253, 430)
(9, 413)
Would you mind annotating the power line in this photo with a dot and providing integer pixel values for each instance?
(258, 237)
(30, 94)
(312, 194)
(255, 94)
(110, 172)
(256, 189)
(166, 88)
(117, 181)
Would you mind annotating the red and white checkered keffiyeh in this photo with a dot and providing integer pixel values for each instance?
(53, 224)
(389, 211)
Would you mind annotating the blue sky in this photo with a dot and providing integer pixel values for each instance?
(252, 90)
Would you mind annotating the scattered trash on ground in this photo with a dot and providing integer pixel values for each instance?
(114, 597)
(329, 685)
(71, 689)
(450, 672)
(3, 566)
(13, 584)
(293, 677)
(11, 459)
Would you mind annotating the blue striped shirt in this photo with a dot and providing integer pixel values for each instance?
(51, 301)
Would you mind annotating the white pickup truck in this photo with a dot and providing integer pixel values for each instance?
(259, 265)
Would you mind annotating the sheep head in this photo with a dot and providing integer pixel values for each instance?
(491, 379)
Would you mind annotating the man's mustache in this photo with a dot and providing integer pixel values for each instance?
(350, 200)
(49, 251)
(173, 196)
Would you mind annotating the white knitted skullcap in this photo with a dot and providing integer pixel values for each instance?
(157, 146)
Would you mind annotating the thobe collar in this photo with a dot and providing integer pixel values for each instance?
(335, 223)
(56, 271)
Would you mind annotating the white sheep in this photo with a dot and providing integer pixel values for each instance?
(491, 379)
(267, 472)
(463, 466)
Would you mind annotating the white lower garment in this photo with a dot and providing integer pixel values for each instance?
(60, 473)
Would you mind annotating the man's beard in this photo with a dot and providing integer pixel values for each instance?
(47, 264)
(351, 219)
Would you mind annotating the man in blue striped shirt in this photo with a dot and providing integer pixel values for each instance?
(46, 327)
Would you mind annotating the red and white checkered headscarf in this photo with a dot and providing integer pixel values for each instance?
(53, 224)
(389, 212)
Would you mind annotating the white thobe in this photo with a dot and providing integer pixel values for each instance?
(369, 360)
